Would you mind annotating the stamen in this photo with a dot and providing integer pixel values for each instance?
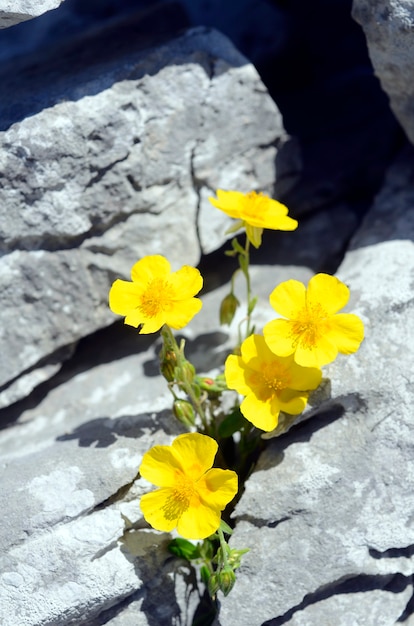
(309, 326)
(275, 377)
(179, 499)
(156, 298)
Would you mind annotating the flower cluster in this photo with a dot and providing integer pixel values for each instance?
(274, 372)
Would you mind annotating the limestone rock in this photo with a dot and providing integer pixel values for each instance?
(388, 27)
(15, 11)
(72, 450)
(326, 512)
(115, 159)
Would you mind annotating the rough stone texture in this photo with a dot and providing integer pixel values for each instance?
(73, 447)
(388, 26)
(67, 477)
(15, 11)
(328, 512)
(114, 161)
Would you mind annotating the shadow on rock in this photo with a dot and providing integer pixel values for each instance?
(394, 583)
(104, 431)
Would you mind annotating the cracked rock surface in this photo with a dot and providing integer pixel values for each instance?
(328, 512)
(118, 163)
(75, 545)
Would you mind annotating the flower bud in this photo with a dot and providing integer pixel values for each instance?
(168, 363)
(184, 412)
(226, 581)
(212, 385)
(186, 372)
(234, 557)
(228, 309)
(213, 584)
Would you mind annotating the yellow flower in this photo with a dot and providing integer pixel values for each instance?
(254, 211)
(270, 383)
(191, 495)
(313, 332)
(156, 296)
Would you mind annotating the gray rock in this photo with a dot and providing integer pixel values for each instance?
(388, 27)
(326, 512)
(113, 162)
(74, 531)
(71, 453)
(15, 11)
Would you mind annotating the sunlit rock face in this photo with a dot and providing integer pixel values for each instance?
(104, 160)
(388, 26)
(112, 137)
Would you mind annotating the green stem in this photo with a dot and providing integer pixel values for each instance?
(171, 344)
(223, 545)
(249, 330)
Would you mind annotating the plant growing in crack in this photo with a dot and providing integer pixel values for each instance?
(199, 477)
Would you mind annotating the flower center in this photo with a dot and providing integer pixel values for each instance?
(272, 379)
(252, 204)
(309, 326)
(275, 376)
(156, 298)
(179, 499)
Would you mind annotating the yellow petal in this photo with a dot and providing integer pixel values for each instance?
(149, 267)
(275, 217)
(123, 297)
(304, 378)
(230, 202)
(195, 453)
(255, 352)
(186, 282)
(160, 466)
(198, 522)
(347, 332)
(279, 337)
(322, 353)
(288, 298)
(182, 312)
(152, 508)
(263, 415)
(218, 487)
(149, 324)
(235, 373)
(292, 402)
(328, 291)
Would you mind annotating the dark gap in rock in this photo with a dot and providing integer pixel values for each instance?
(83, 54)
(110, 613)
(392, 553)
(394, 583)
(332, 103)
(409, 609)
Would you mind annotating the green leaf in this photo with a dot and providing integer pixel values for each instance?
(205, 574)
(184, 549)
(237, 247)
(225, 528)
(244, 265)
(233, 422)
(252, 305)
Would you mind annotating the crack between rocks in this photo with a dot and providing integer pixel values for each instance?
(100, 173)
(197, 186)
(394, 583)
